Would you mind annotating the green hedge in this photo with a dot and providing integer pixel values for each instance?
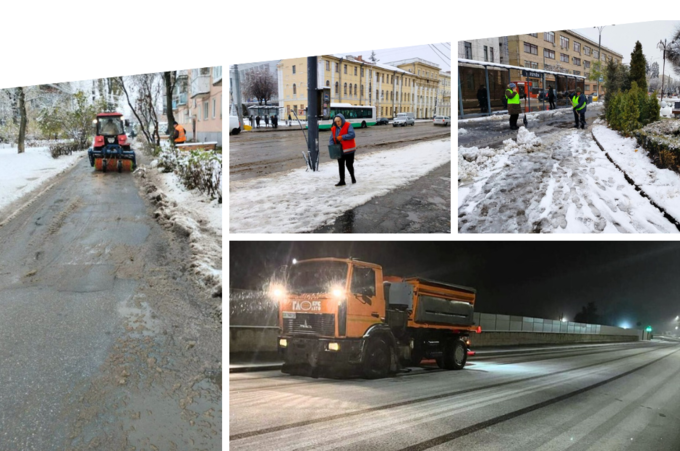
(662, 141)
(630, 110)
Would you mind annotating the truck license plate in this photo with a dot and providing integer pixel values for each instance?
(290, 315)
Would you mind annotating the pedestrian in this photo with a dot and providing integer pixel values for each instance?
(579, 105)
(289, 119)
(343, 133)
(482, 98)
(179, 136)
(514, 106)
(551, 97)
(275, 121)
(266, 120)
(252, 120)
(257, 120)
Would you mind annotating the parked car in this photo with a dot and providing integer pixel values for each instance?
(382, 121)
(404, 119)
(234, 126)
(442, 120)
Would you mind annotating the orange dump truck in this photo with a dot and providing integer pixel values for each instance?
(343, 314)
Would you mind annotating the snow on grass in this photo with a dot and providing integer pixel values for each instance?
(462, 131)
(21, 174)
(300, 201)
(661, 185)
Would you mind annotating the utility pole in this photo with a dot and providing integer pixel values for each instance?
(599, 56)
(663, 45)
(312, 107)
(239, 108)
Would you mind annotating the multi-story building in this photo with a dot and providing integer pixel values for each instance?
(401, 86)
(487, 49)
(197, 103)
(560, 51)
(443, 105)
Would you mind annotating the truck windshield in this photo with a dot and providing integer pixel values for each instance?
(110, 126)
(316, 277)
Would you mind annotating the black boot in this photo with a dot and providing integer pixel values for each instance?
(340, 183)
(354, 180)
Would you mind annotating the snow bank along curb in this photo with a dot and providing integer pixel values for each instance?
(206, 251)
(35, 197)
(640, 172)
(300, 201)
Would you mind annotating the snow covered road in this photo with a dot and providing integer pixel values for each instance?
(564, 185)
(300, 201)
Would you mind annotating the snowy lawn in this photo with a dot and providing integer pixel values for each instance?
(21, 174)
(661, 185)
(299, 201)
(564, 184)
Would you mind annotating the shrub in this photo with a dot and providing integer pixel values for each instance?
(662, 140)
(629, 110)
(64, 148)
(198, 169)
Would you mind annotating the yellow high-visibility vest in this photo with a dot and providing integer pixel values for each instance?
(514, 100)
(574, 101)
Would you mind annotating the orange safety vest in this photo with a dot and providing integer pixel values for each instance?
(348, 146)
(182, 137)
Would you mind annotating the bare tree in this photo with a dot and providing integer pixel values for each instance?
(170, 79)
(22, 121)
(142, 93)
(260, 84)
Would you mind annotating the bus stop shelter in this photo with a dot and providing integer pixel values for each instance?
(265, 110)
(481, 87)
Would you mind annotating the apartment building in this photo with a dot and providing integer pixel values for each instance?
(197, 103)
(401, 86)
(487, 49)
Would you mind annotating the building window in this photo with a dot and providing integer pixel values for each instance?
(486, 53)
(549, 36)
(336, 87)
(383, 78)
(564, 42)
(355, 89)
(586, 64)
(549, 53)
(355, 71)
(587, 87)
(328, 83)
(377, 95)
(362, 90)
(328, 65)
(531, 64)
(491, 54)
(587, 50)
(205, 111)
(337, 68)
(577, 72)
(345, 90)
(564, 57)
(531, 48)
(362, 71)
(468, 50)
(596, 54)
(345, 68)
(577, 61)
(294, 89)
(533, 34)
(214, 105)
(577, 46)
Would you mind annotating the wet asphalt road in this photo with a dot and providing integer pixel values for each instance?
(594, 397)
(96, 314)
(258, 154)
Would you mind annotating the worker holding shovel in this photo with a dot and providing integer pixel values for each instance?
(579, 105)
(514, 106)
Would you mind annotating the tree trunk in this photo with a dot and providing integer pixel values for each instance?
(169, 86)
(22, 122)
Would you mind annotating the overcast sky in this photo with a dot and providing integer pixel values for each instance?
(621, 38)
(628, 281)
(425, 52)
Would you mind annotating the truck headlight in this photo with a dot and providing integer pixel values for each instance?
(333, 346)
(283, 342)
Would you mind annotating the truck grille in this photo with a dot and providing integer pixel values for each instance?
(310, 323)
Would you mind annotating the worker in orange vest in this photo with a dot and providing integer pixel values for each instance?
(343, 133)
(180, 135)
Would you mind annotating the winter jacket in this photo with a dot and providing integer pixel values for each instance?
(551, 94)
(180, 134)
(347, 133)
(513, 108)
(582, 101)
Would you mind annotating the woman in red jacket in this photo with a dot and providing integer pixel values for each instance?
(343, 133)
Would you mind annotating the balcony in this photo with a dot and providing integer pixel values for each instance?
(217, 76)
(182, 73)
(178, 100)
(200, 86)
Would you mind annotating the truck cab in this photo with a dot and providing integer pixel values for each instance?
(344, 315)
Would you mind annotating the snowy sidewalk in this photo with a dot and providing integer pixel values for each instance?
(661, 185)
(21, 174)
(565, 184)
(300, 201)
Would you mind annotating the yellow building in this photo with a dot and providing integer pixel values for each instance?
(443, 107)
(560, 51)
(197, 103)
(402, 86)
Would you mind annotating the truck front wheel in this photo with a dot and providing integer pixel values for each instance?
(376, 359)
(454, 356)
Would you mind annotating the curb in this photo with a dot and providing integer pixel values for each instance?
(252, 369)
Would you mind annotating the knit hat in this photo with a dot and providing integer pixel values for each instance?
(512, 85)
(578, 89)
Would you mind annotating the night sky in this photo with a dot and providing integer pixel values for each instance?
(628, 281)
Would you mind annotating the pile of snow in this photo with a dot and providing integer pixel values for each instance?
(195, 169)
(21, 174)
(474, 162)
(462, 131)
(661, 185)
(300, 201)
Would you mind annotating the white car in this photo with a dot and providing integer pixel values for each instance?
(234, 126)
(442, 120)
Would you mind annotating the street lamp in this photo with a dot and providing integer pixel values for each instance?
(599, 55)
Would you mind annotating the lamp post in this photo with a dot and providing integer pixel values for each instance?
(663, 45)
(599, 55)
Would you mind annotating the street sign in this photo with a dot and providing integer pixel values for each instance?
(530, 73)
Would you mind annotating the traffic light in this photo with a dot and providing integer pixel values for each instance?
(649, 328)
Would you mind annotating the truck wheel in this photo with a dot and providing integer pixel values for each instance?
(376, 359)
(454, 356)
(363, 124)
